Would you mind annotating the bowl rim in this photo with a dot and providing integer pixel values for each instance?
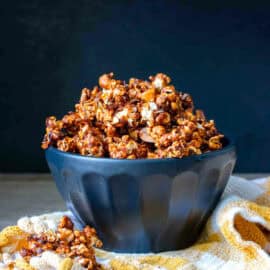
(230, 146)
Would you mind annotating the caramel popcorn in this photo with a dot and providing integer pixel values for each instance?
(138, 119)
(66, 241)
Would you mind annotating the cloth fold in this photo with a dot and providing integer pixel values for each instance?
(237, 235)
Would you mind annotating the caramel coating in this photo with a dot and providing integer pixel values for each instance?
(138, 119)
(67, 242)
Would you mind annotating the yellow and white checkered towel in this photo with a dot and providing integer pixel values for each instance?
(235, 237)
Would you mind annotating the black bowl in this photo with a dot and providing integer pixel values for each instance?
(144, 205)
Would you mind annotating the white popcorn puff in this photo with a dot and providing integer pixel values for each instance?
(47, 260)
(52, 225)
(39, 224)
(119, 115)
(26, 225)
(38, 263)
(147, 113)
(158, 83)
(52, 258)
(40, 227)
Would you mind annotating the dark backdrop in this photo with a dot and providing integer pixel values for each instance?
(216, 50)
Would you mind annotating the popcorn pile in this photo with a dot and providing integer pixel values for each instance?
(139, 119)
(28, 248)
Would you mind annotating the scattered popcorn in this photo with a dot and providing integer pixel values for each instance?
(43, 248)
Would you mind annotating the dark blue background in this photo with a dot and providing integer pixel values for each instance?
(219, 51)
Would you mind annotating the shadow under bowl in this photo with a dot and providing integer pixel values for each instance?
(143, 205)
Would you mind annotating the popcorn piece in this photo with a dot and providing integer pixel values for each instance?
(47, 260)
(160, 80)
(26, 224)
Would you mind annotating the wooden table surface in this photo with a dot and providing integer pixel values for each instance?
(32, 194)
